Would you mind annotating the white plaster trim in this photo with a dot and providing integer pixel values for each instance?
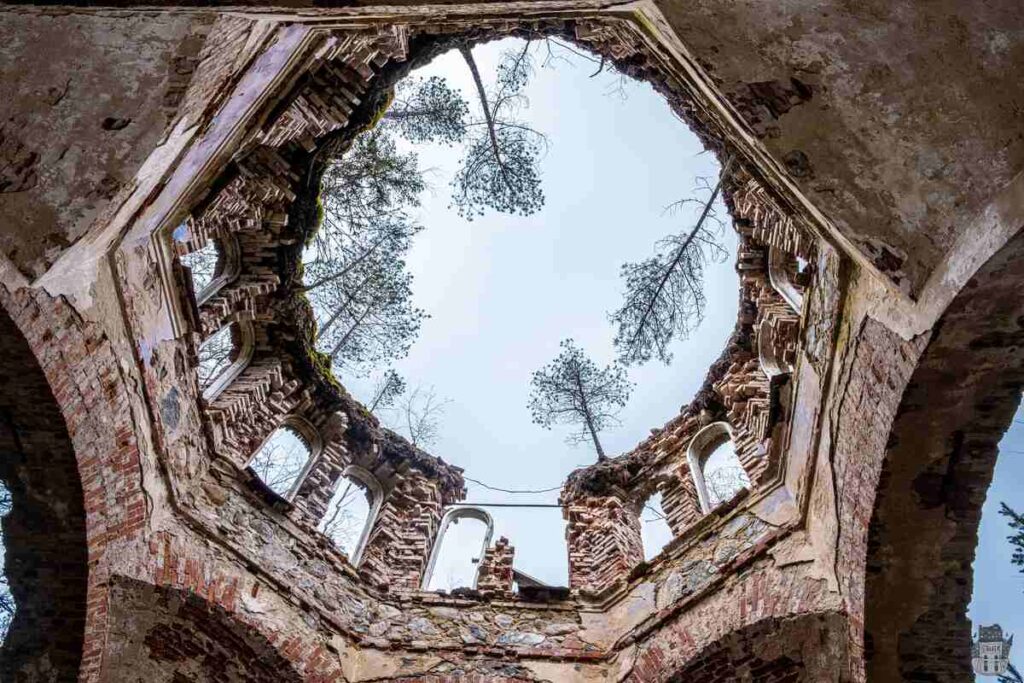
(778, 275)
(247, 335)
(365, 477)
(226, 246)
(701, 446)
(770, 364)
(451, 515)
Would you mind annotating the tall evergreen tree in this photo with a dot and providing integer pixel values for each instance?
(664, 297)
(573, 390)
(1016, 539)
(355, 273)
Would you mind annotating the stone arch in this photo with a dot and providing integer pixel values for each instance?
(936, 470)
(808, 647)
(45, 532)
(311, 440)
(158, 633)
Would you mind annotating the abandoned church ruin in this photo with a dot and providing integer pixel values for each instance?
(877, 359)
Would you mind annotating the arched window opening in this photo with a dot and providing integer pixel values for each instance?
(352, 511)
(222, 356)
(789, 276)
(458, 549)
(715, 468)
(203, 265)
(7, 606)
(283, 459)
(724, 476)
(215, 357)
(654, 529)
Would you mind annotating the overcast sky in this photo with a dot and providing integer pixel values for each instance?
(503, 291)
(998, 586)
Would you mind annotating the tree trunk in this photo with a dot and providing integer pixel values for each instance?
(588, 418)
(380, 394)
(680, 251)
(344, 271)
(347, 335)
(338, 311)
(467, 55)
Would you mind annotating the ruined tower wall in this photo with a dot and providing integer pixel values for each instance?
(824, 400)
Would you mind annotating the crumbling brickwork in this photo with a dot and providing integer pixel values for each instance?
(139, 544)
(494, 577)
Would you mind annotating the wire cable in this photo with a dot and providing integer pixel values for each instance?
(513, 491)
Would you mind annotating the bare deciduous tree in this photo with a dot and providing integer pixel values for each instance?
(723, 482)
(215, 357)
(280, 461)
(664, 297)
(572, 389)
(343, 523)
(418, 416)
(203, 265)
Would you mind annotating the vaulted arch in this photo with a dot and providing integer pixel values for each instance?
(45, 532)
(937, 468)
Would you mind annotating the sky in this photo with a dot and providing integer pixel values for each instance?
(998, 585)
(503, 291)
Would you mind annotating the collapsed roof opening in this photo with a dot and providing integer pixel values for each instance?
(485, 159)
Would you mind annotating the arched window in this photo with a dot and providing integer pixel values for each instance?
(213, 266)
(716, 470)
(7, 606)
(787, 273)
(654, 529)
(776, 343)
(222, 356)
(458, 549)
(352, 511)
(202, 266)
(284, 458)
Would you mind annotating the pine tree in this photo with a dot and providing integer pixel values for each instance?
(664, 298)
(572, 389)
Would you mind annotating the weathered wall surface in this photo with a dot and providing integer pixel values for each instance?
(897, 120)
(195, 573)
(87, 96)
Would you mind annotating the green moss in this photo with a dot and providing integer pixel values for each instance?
(318, 220)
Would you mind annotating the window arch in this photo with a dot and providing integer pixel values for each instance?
(222, 357)
(457, 553)
(213, 266)
(284, 459)
(715, 468)
(350, 516)
(782, 266)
